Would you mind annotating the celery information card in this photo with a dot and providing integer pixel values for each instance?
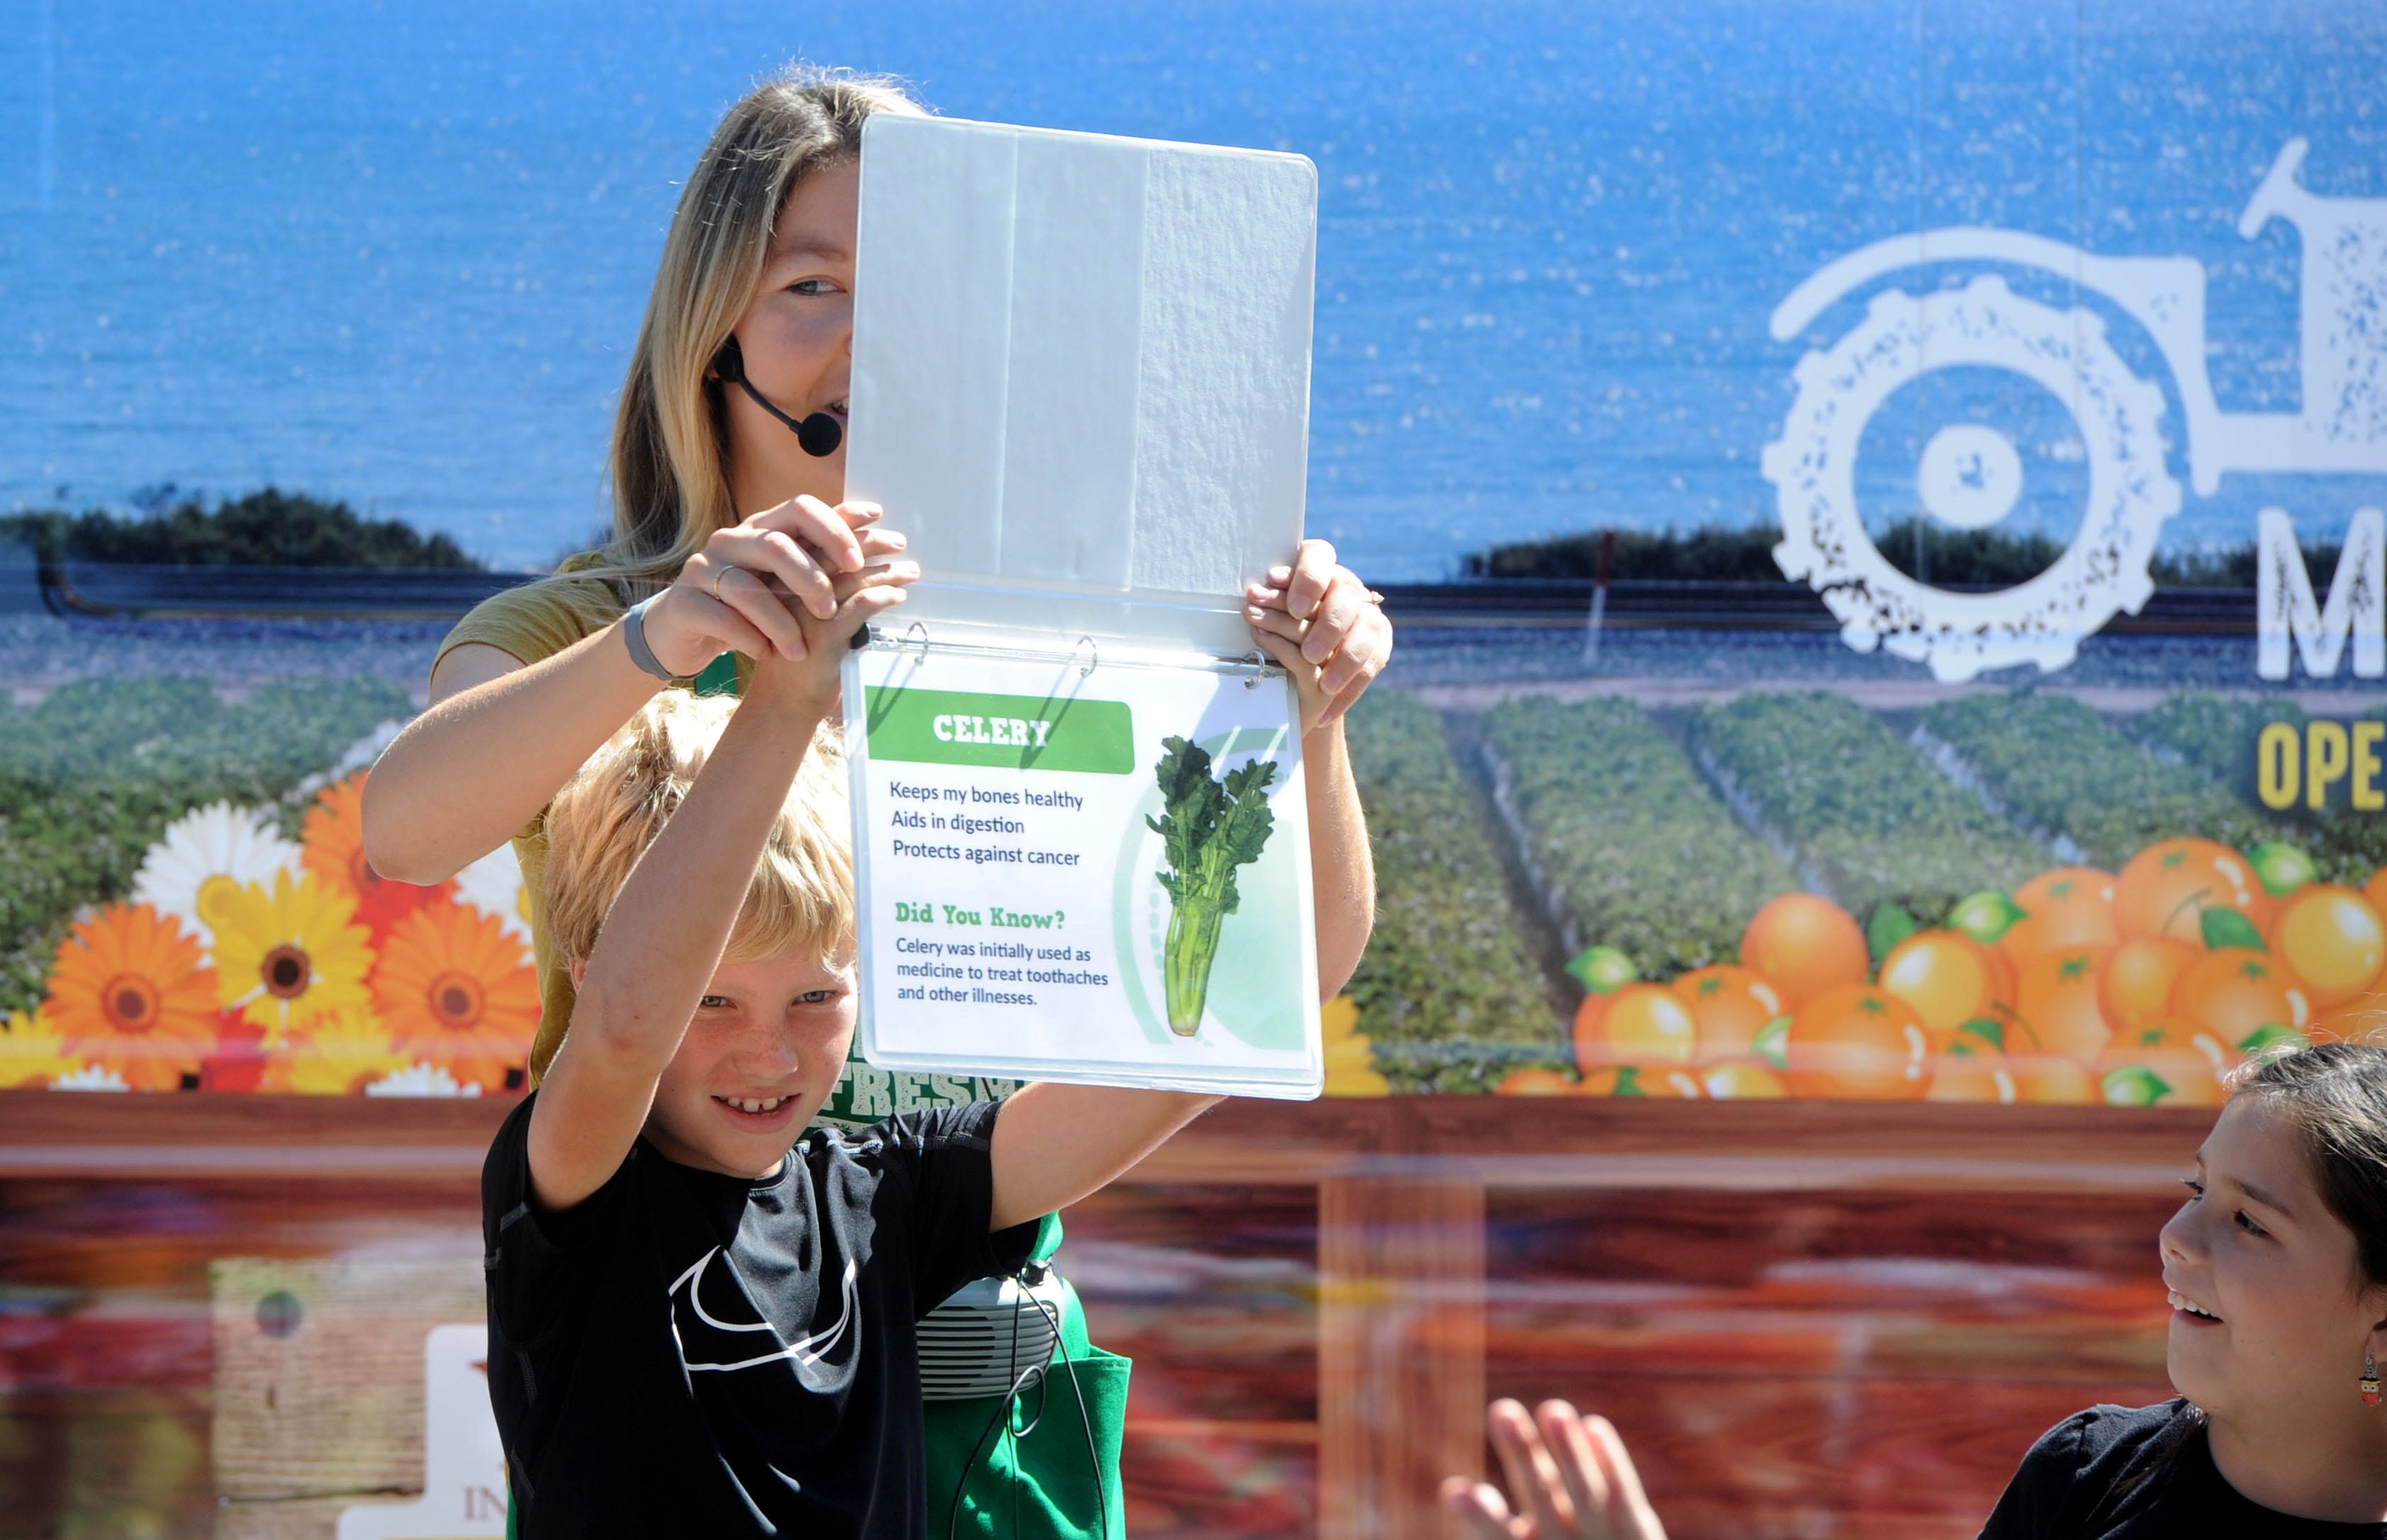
(1082, 870)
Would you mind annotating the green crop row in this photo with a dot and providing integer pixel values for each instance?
(2060, 767)
(2217, 736)
(89, 778)
(1635, 851)
(1447, 995)
(1863, 811)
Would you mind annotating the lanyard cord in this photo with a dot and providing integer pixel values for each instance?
(1022, 1379)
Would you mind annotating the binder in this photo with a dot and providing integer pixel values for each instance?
(1081, 386)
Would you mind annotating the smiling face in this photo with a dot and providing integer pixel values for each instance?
(797, 336)
(2269, 1310)
(761, 1056)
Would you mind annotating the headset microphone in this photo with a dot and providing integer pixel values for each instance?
(819, 434)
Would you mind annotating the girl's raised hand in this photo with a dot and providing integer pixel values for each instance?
(1572, 1478)
(1324, 626)
(745, 589)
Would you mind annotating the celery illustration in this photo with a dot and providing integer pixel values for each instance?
(1207, 830)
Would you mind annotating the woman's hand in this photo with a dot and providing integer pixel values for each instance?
(1325, 627)
(746, 590)
(1572, 1478)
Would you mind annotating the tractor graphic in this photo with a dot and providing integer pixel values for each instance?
(1970, 474)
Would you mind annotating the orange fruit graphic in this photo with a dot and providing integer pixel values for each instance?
(2331, 938)
(2135, 985)
(1643, 1024)
(2056, 1009)
(2235, 993)
(1950, 978)
(1858, 1042)
(2050, 1078)
(2360, 1020)
(2164, 1064)
(1538, 1082)
(1974, 1077)
(1742, 1080)
(2165, 889)
(2069, 906)
(1730, 1005)
(2376, 889)
(1805, 945)
(1671, 1082)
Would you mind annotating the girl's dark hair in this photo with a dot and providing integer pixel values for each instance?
(2337, 1093)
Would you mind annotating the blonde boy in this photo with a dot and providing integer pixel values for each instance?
(700, 1324)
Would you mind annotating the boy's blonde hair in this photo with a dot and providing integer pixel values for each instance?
(801, 898)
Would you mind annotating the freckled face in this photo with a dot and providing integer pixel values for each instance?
(760, 1058)
(2268, 1310)
(797, 336)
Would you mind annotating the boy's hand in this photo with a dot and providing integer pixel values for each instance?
(1325, 627)
(808, 681)
(751, 586)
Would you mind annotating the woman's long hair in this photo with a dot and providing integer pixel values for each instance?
(670, 459)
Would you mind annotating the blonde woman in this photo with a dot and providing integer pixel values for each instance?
(727, 519)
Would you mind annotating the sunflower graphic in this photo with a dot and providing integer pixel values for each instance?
(32, 1054)
(342, 1054)
(494, 884)
(458, 992)
(291, 958)
(204, 855)
(1350, 1063)
(132, 995)
(333, 848)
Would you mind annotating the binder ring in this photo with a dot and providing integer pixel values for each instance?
(1094, 656)
(916, 633)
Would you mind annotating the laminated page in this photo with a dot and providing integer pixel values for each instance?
(1086, 867)
(1082, 374)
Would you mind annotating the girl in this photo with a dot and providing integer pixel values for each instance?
(723, 520)
(2277, 1270)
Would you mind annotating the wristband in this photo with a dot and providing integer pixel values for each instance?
(634, 633)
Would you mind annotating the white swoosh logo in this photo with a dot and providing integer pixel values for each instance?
(803, 1352)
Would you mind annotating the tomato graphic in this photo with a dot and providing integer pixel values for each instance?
(1951, 979)
(1742, 1080)
(1670, 1082)
(1642, 1024)
(2331, 938)
(1858, 1042)
(2164, 1064)
(1804, 945)
(2235, 993)
(2050, 1078)
(2056, 1009)
(1730, 1005)
(2165, 889)
(2135, 985)
(1539, 1082)
(1974, 1077)
(2069, 906)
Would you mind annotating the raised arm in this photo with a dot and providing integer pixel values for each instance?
(1324, 626)
(1056, 1144)
(663, 936)
(501, 738)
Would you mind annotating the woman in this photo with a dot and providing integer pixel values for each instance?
(724, 519)
(2276, 1271)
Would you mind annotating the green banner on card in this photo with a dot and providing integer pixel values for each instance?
(1020, 732)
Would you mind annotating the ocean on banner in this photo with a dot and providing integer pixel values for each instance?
(397, 255)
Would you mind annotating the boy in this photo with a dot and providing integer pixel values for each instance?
(693, 1328)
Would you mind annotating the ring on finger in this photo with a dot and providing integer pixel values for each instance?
(718, 573)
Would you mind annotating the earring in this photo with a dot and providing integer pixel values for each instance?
(2370, 1381)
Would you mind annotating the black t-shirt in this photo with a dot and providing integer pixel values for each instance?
(2140, 1473)
(688, 1353)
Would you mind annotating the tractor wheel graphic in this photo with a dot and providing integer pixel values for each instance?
(1970, 475)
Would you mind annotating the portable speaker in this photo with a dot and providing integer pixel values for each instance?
(989, 1333)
